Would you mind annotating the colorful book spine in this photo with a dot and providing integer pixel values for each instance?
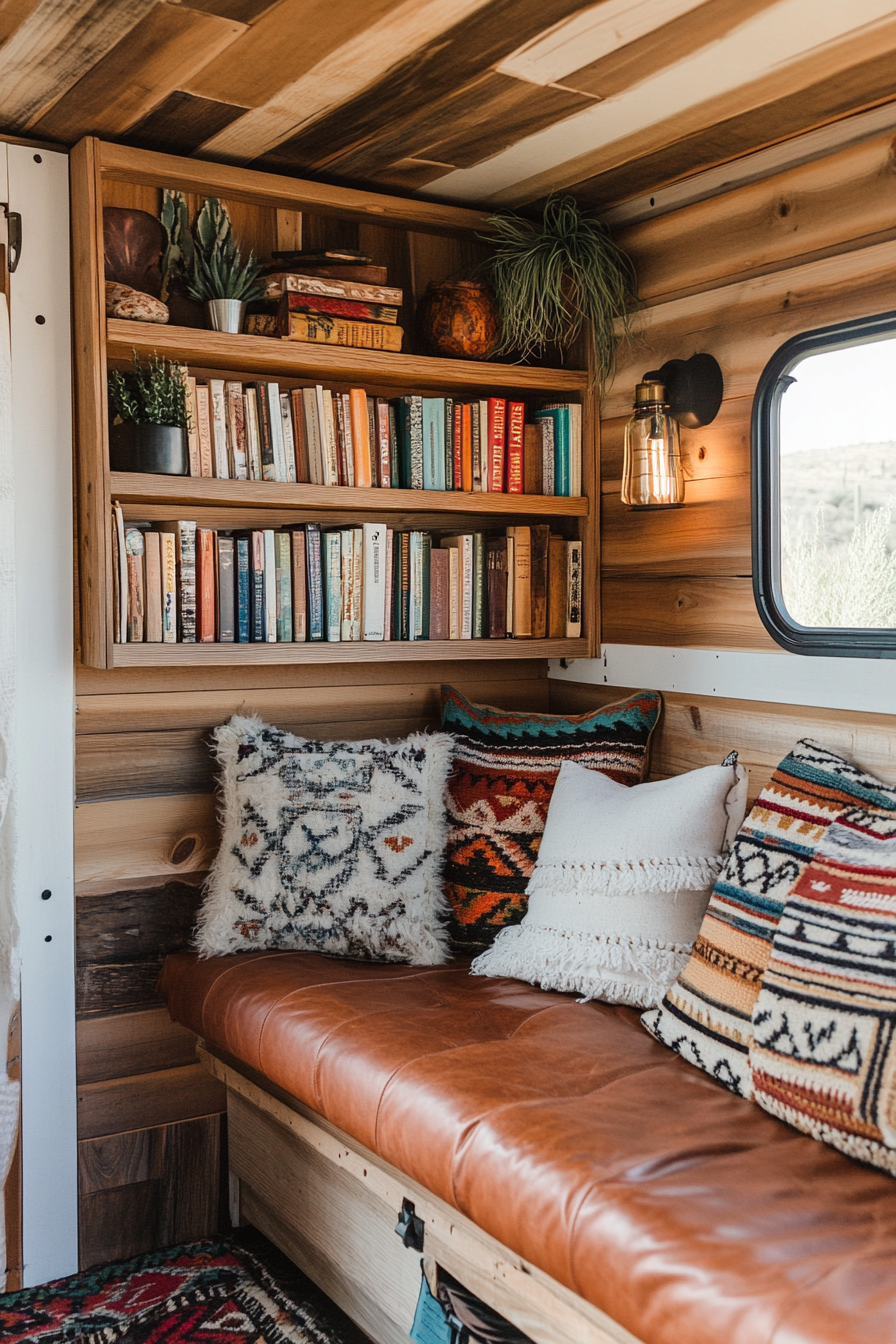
(329, 445)
(479, 613)
(458, 445)
(314, 570)
(204, 424)
(136, 595)
(438, 593)
(153, 561)
(574, 590)
(522, 581)
(256, 587)
(347, 555)
(289, 441)
(388, 618)
(373, 581)
(340, 289)
(226, 594)
(331, 568)
(270, 587)
(383, 445)
(205, 585)
(243, 610)
(360, 432)
(433, 418)
(338, 331)
(283, 569)
(353, 310)
(466, 446)
(497, 415)
(185, 551)
(236, 429)
(253, 433)
(192, 425)
(496, 578)
(516, 415)
(168, 555)
(265, 439)
(410, 431)
(299, 588)
(275, 424)
(545, 423)
(303, 473)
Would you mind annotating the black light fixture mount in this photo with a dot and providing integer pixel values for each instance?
(693, 389)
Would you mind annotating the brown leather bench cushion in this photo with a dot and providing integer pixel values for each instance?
(575, 1139)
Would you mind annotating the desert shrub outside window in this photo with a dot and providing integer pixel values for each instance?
(824, 491)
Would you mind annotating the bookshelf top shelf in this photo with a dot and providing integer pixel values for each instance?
(135, 488)
(269, 356)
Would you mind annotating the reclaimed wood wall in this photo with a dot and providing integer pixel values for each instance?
(735, 276)
(149, 1117)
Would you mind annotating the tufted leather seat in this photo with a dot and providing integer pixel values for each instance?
(574, 1138)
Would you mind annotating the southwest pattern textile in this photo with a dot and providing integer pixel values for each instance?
(823, 1055)
(505, 766)
(706, 1015)
(332, 847)
(210, 1292)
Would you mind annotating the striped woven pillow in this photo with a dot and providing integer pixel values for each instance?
(706, 1015)
(823, 1056)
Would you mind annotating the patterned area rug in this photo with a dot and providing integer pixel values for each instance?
(210, 1292)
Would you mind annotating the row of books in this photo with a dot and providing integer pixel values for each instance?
(256, 432)
(330, 311)
(180, 583)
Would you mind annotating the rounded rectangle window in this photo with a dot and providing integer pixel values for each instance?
(824, 491)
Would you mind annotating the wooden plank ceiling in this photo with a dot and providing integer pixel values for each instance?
(485, 101)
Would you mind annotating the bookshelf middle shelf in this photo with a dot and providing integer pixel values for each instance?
(201, 491)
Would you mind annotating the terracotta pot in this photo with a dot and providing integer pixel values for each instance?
(458, 319)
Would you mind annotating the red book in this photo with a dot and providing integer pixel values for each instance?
(384, 444)
(354, 309)
(303, 475)
(466, 447)
(457, 433)
(438, 593)
(516, 416)
(205, 585)
(497, 414)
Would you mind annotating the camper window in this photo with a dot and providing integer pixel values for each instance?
(824, 491)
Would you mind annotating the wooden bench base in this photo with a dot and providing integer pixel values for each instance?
(332, 1206)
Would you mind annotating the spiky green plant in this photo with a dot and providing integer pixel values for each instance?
(156, 395)
(177, 261)
(218, 271)
(553, 277)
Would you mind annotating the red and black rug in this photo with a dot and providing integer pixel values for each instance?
(210, 1292)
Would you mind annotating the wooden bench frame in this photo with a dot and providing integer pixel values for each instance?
(331, 1205)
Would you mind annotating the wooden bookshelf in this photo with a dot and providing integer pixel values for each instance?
(96, 170)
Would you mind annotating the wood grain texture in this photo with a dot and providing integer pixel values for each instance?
(124, 1044)
(707, 613)
(137, 925)
(251, 655)
(699, 730)
(212, 350)
(167, 46)
(719, 449)
(181, 122)
(177, 1197)
(709, 536)
(132, 838)
(833, 202)
(147, 1100)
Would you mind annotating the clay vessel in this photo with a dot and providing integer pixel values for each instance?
(133, 241)
(458, 319)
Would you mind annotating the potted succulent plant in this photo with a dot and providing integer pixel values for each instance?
(553, 278)
(149, 428)
(218, 276)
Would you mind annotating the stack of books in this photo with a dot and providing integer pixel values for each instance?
(258, 432)
(330, 311)
(180, 583)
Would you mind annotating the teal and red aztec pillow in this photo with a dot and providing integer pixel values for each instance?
(504, 769)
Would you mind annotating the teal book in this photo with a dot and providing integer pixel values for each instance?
(314, 577)
(242, 590)
(393, 446)
(331, 569)
(433, 443)
(480, 599)
(560, 417)
(448, 432)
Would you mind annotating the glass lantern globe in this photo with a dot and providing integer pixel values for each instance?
(652, 475)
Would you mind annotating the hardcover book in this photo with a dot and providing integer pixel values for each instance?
(331, 569)
(192, 424)
(360, 431)
(204, 424)
(134, 551)
(184, 532)
(270, 587)
(256, 587)
(522, 581)
(289, 442)
(497, 415)
(253, 433)
(153, 559)
(205, 585)
(243, 609)
(496, 574)
(355, 310)
(283, 568)
(226, 589)
(344, 287)
(373, 581)
(338, 331)
(438, 593)
(541, 534)
(574, 590)
(219, 428)
(314, 571)
(299, 587)
(236, 426)
(516, 414)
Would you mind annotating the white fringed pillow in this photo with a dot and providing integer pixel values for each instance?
(623, 878)
(333, 847)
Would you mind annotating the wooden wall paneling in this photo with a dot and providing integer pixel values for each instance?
(119, 1045)
(832, 203)
(124, 935)
(168, 45)
(146, 1100)
(716, 450)
(148, 1188)
(709, 536)
(130, 838)
(131, 681)
(681, 612)
(699, 730)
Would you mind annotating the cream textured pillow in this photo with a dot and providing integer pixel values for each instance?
(333, 847)
(622, 882)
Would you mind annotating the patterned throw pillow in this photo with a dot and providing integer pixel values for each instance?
(505, 768)
(706, 1014)
(823, 1056)
(333, 847)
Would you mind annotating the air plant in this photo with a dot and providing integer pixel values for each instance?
(218, 271)
(553, 278)
(156, 395)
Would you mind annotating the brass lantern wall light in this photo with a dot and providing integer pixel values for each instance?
(683, 391)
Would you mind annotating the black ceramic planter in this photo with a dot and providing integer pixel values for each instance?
(160, 450)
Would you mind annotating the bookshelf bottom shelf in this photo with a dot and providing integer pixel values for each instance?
(424, 650)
